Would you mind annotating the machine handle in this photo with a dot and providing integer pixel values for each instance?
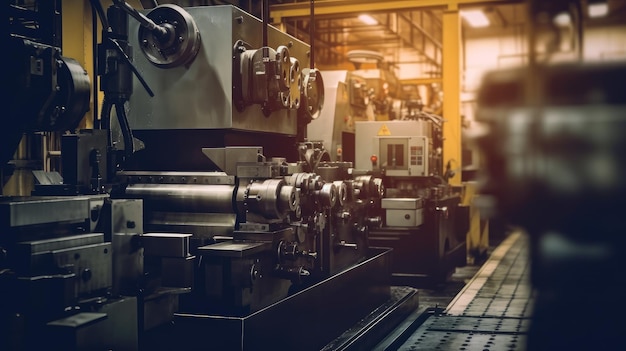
(342, 243)
(144, 21)
(444, 210)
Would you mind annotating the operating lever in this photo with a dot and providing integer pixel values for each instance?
(159, 31)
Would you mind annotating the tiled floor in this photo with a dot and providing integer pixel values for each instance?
(483, 307)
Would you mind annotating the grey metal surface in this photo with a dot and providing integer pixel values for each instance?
(92, 265)
(166, 244)
(336, 106)
(35, 257)
(300, 321)
(125, 226)
(185, 197)
(199, 95)
(492, 312)
(402, 203)
(234, 249)
(78, 320)
(403, 212)
(202, 225)
(111, 326)
(450, 340)
(369, 133)
(227, 158)
(23, 211)
(37, 246)
(371, 329)
(404, 218)
(161, 177)
(479, 324)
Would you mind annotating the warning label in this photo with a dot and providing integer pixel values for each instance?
(384, 130)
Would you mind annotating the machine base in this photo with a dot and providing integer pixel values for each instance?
(368, 332)
(456, 257)
(306, 320)
(421, 258)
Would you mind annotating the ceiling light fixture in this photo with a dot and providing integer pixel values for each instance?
(562, 19)
(599, 9)
(475, 18)
(367, 19)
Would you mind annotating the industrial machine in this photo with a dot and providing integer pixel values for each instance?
(346, 100)
(351, 96)
(397, 141)
(424, 221)
(195, 212)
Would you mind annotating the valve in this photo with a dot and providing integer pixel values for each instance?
(290, 251)
(295, 274)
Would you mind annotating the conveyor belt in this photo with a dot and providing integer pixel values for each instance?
(492, 312)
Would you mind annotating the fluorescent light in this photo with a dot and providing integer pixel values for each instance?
(562, 19)
(599, 9)
(367, 19)
(475, 18)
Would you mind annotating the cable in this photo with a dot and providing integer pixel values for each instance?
(95, 4)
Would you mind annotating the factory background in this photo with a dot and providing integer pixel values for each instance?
(313, 175)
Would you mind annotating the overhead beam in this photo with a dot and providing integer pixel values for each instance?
(421, 81)
(332, 7)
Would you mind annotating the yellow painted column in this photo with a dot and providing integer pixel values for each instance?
(77, 42)
(452, 91)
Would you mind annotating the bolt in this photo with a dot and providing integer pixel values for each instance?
(86, 274)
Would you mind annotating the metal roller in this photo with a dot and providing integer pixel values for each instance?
(185, 197)
(328, 194)
(312, 100)
(283, 59)
(272, 198)
(342, 192)
(368, 187)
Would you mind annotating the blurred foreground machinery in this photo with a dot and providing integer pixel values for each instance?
(198, 215)
(554, 166)
(556, 169)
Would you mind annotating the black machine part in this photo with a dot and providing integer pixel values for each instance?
(51, 92)
(554, 166)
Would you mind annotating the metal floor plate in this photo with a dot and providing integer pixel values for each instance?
(492, 312)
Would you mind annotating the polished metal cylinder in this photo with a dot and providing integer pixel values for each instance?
(185, 197)
(272, 198)
(342, 192)
(328, 195)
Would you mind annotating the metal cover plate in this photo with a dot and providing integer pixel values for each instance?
(233, 249)
(402, 203)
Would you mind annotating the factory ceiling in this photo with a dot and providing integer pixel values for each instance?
(405, 33)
